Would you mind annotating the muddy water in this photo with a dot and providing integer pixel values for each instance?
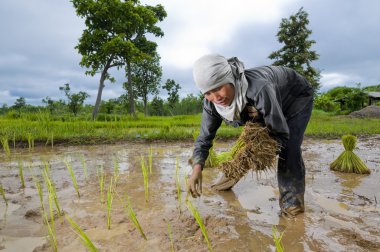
(342, 210)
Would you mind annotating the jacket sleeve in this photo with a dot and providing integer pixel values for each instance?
(209, 125)
(267, 103)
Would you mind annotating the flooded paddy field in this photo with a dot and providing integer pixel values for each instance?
(342, 210)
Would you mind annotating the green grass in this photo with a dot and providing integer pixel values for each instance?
(77, 131)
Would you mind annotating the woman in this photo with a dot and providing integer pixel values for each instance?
(278, 97)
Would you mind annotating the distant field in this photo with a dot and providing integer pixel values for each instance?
(44, 129)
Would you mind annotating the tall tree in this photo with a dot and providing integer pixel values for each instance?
(75, 100)
(116, 37)
(146, 77)
(19, 104)
(172, 87)
(297, 53)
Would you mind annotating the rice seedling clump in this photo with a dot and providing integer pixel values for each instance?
(254, 150)
(348, 161)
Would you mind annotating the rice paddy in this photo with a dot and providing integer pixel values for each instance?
(240, 219)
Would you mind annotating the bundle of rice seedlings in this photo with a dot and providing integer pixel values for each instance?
(348, 161)
(254, 150)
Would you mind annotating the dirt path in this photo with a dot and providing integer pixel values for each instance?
(342, 210)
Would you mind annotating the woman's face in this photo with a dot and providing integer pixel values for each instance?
(223, 95)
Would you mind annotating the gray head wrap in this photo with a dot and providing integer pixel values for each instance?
(212, 71)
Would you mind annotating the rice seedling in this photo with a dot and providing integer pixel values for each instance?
(3, 194)
(178, 185)
(254, 150)
(150, 159)
(30, 141)
(72, 175)
(21, 173)
(277, 237)
(4, 143)
(40, 194)
(51, 139)
(116, 168)
(14, 140)
(170, 237)
(50, 226)
(86, 241)
(132, 216)
(109, 204)
(51, 189)
(100, 173)
(146, 179)
(198, 219)
(84, 166)
(348, 161)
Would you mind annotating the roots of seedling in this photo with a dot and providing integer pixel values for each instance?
(348, 161)
(256, 151)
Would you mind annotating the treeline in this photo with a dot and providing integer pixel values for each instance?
(110, 109)
(344, 100)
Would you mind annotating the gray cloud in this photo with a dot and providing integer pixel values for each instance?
(37, 52)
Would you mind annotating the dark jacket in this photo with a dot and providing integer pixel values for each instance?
(278, 94)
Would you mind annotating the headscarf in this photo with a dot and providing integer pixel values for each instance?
(212, 71)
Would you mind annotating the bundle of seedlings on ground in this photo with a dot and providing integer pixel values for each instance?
(254, 150)
(348, 161)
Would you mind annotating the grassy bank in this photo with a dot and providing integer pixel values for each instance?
(43, 130)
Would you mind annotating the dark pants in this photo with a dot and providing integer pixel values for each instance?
(291, 168)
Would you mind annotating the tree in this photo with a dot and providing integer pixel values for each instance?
(75, 100)
(19, 104)
(115, 37)
(296, 53)
(157, 106)
(172, 87)
(146, 76)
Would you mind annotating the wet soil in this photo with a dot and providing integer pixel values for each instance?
(342, 210)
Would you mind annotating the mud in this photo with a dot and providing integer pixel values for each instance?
(342, 210)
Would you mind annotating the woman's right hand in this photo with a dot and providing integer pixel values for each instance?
(195, 181)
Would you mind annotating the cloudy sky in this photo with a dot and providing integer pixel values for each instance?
(38, 37)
